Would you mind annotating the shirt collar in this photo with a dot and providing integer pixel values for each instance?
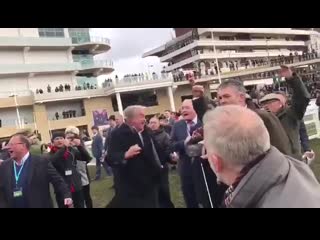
(194, 121)
(25, 158)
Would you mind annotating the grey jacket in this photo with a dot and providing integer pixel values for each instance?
(278, 181)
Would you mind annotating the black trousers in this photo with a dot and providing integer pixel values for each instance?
(202, 191)
(164, 189)
(87, 196)
(77, 198)
(148, 200)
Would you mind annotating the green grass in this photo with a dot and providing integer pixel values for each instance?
(102, 194)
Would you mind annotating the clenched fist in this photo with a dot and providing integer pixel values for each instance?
(285, 72)
(132, 152)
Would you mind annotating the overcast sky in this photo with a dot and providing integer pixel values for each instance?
(128, 45)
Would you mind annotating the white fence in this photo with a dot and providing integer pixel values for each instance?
(311, 120)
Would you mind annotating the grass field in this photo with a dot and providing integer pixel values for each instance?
(102, 194)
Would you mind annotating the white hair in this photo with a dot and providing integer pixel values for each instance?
(236, 134)
(130, 111)
(73, 130)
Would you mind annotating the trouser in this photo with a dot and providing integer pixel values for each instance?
(164, 189)
(106, 167)
(188, 191)
(87, 196)
(209, 193)
(148, 200)
(77, 198)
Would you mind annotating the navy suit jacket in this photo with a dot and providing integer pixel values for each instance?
(179, 134)
(37, 193)
(97, 146)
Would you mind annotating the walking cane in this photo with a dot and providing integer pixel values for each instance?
(207, 187)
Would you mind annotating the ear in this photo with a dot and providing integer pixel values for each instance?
(215, 162)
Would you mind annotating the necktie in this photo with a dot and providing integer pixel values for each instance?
(191, 127)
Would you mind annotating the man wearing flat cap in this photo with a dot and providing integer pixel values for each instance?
(290, 116)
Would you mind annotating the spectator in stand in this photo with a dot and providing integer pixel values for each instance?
(258, 175)
(37, 91)
(61, 88)
(64, 115)
(49, 89)
(41, 91)
(57, 89)
(57, 116)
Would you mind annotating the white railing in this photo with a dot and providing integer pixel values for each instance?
(18, 93)
(97, 39)
(311, 120)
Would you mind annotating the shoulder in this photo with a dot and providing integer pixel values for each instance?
(38, 159)
(5, 164)
(179, 123)
(123, 129)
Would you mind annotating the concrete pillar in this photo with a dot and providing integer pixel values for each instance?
(42, 122)
(171, 99)
(120, 107)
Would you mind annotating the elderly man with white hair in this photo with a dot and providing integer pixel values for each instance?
(135, 162)
(258, 175)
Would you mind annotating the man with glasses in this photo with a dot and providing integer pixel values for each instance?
(25, 178)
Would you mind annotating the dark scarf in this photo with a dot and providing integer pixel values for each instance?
(66, 155)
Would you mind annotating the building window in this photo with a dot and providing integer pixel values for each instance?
(79, 35)
(51, 32)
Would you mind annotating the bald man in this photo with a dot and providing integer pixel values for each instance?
(258, 174)
(185, 135)
(182, 133)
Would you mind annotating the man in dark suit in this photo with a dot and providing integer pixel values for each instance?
(182, 132)
(24, 179)
(97, 150)
(135, 162)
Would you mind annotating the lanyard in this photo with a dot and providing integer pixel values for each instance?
(17, 175)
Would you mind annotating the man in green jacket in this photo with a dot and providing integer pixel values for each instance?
(290, 116)
(232, 92)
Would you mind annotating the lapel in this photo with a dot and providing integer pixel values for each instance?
(11, 182)
(30, 169)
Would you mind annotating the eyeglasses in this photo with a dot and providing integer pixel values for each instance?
(11, 144)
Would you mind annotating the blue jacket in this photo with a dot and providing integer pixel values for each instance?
(179, 134)
(97, 146)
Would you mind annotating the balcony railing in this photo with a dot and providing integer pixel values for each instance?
(88, 64)
(90, 39)
(35, 68)
(68, 95)
(35, 42)
(19, 93)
